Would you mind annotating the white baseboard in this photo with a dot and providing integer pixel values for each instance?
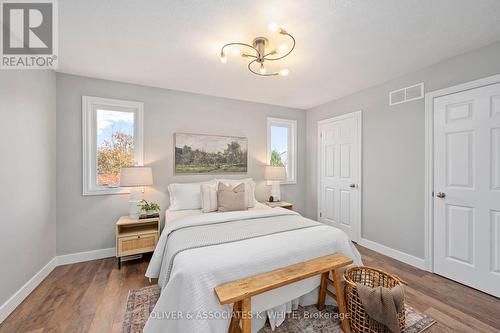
(73, 258)
(12, 303)
(395, 254)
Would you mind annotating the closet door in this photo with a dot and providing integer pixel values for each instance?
(467, 187)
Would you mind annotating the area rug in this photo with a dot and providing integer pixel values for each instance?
(307, 319)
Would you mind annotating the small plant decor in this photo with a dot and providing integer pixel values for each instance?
(149, 207)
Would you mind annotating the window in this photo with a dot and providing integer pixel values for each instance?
(112, 138)
(282, 146)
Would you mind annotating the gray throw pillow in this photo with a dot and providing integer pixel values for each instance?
(231, 198)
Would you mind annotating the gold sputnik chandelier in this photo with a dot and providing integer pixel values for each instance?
(260, 52)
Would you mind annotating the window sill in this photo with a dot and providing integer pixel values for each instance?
(106, 191)
(286, 182)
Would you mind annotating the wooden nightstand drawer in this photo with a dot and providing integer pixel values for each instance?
(137, 244)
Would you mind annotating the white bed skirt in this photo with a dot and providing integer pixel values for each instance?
(277, 315)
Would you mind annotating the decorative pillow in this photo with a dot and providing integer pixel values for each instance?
(209, 197)
(231, 198)
(185, 196)
(249, 188)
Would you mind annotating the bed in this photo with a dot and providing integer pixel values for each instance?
(198, 251)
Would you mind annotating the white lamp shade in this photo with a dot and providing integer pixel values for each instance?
(275, 173)
(136, 176)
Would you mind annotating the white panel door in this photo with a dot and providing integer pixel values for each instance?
(467, 187)
(339, 197)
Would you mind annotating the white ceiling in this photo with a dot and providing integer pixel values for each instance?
(343, 46)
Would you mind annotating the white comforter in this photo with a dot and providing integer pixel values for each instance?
(188, 303)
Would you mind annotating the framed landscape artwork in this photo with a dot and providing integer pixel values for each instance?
(200, 153)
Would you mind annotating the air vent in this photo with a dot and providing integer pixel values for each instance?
(407, 94)
(397, 97)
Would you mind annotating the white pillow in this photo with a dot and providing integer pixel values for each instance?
(249, 188)
(185, 196)
(209, 197)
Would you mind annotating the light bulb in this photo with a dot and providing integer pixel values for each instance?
(284, 72)
(273, 27)
(262, 69)
(223, 57)
(283, 48)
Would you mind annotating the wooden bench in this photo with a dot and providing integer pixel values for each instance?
(240, 292)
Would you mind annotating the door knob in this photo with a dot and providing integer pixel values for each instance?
(440, 195)
(352, 185)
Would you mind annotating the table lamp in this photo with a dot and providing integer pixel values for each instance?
(135, 177)
(275, 174)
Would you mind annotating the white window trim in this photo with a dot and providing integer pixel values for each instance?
(292, 154)
(89, 137)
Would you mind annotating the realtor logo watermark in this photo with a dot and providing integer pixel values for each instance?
(29, 34)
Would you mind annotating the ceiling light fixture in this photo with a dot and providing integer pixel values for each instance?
(261, 53)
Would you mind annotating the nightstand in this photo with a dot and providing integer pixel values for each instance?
(136, 236)
(282, 204)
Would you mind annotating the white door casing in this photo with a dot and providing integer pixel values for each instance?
(466, 201)
(339, 171)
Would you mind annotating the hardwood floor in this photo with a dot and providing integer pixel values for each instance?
(91, 297)
(83, 297)
(455, 307)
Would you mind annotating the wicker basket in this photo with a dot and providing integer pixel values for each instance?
(372, 277)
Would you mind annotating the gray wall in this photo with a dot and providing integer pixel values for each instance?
(393, 149)
(27, 176)
(87, 223)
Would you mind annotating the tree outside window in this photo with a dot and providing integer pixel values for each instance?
(115, 145)
(279, 146)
